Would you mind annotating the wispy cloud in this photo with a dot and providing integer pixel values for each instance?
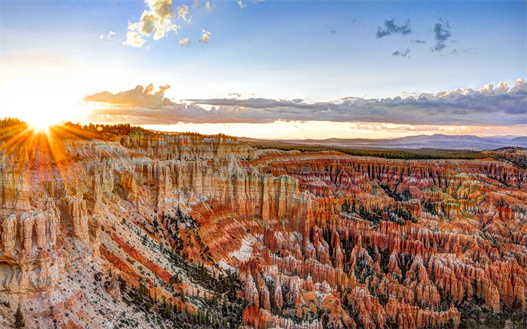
(390, 27)
(108, 36)
(441, 35)
(185, 42)
(183, 13)
(401, 53)
(239, 95)
(489, 105)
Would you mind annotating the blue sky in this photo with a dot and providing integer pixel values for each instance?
(55, 53)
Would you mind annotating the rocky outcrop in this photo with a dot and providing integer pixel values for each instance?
(78, 214)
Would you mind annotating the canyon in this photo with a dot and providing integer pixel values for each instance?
(146, 230)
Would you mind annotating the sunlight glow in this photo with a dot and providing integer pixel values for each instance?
(331, 129)
(41, 123)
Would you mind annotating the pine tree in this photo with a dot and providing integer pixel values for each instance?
(19, 318)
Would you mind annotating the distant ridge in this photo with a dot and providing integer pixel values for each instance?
(437, 141)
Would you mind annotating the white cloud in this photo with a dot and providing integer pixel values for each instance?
(108, 36)
(134, 39)
(205, 36)
(185, 42)
(183, 13)
(157, 20)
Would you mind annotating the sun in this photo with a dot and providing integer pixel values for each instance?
(40, 120)
(40, 124)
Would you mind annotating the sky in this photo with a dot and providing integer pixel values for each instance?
(269, 69)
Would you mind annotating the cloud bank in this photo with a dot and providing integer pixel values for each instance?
(490, 106)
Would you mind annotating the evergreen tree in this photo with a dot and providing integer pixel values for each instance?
(19, 318)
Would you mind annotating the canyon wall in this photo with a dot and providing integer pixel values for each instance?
(316, 240)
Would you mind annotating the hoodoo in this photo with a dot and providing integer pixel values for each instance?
(206, 231)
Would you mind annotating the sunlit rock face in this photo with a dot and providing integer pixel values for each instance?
(316, 240)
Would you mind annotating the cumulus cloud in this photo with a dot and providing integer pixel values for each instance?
(138, 97)
(441, 35)
(157, 20)
(240, 3)
(390, 27)
(134, 39)
(491, 106)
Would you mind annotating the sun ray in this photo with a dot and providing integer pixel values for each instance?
(35, 152)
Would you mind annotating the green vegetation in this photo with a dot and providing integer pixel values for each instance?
(94, 131)
(430, 207)
(512, 155)
(10, 127)
(10, 123)
(387, 213)
(222, 310)
(19, 318)
(172, 224)
(424, 154)
(215, 305)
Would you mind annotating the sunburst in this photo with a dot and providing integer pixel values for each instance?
(38, 149)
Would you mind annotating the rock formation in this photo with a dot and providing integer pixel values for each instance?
(315, 240)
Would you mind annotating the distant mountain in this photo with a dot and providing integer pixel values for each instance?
(520, 140)
(437, 141)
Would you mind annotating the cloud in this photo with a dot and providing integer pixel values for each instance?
(419, 41)
(207, 5)
(138, 97)
(240, 3)
(441, 35)
(134, 39)
(185, 42)
(205, 36)
(110, 34)
(183, 13)
(157, 20)
(239, 95)
(402, 53)
(490, 106)
(390, 27)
